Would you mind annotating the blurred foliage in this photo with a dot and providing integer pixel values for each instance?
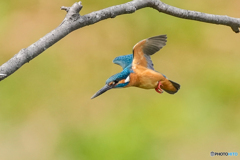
(45, 107)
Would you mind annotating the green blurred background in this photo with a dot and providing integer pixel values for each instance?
(45, 108)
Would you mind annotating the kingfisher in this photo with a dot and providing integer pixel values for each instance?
(138, 69)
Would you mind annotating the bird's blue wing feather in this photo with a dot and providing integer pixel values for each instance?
(124, 61)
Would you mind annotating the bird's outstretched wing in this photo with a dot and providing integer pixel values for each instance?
(143, 49)
(124, 61)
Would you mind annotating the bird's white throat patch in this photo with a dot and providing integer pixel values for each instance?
(127, 79)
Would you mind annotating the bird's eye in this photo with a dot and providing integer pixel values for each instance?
(113, 83)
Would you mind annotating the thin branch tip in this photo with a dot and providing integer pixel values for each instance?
(77, 6)
(65, 8)
(235, 29)
(80, 3)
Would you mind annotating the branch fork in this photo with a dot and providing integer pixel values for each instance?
(73, 12)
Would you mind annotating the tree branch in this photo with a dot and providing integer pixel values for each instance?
(74, 21)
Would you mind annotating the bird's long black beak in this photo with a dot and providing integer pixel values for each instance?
(102, 90)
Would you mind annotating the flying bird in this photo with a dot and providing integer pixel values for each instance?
(138, 69)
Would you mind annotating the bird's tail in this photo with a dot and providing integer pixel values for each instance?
(172, 88)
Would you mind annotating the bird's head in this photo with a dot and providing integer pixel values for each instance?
(118, 80)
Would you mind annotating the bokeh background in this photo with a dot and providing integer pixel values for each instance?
(45, 108)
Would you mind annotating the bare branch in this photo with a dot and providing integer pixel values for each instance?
(234, 23)
(74, 21)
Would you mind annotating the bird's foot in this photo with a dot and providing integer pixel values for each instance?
(159, 89)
